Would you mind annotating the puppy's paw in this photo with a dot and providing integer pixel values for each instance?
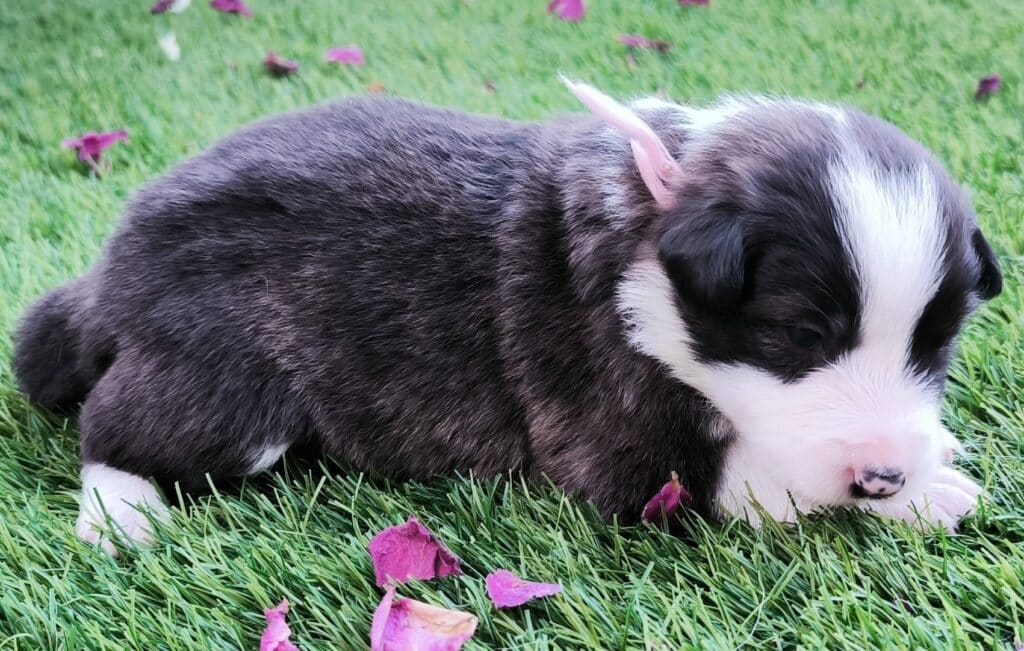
(951, 496)
(117, 504)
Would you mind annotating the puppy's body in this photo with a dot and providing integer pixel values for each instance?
(420, 292)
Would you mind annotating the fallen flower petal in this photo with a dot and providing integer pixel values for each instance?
(91, 145)
(694, 3)
(507, 590)
(571, 11)
(350, 55)
(400, 624)
(376, 88)
(668, 500)
(279, 67)
(641, 43)
(236, 7)
(276, 634)
(410, 551)
(988, 86)
(173, 6)
(169, 44)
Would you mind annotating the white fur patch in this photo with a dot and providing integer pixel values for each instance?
(267, 458)
(122, 497)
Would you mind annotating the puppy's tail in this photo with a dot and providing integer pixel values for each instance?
(60, 350)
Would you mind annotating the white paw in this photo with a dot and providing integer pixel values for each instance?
(117, 504)
(950, 497)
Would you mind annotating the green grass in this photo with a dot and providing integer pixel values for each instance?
(846, 582)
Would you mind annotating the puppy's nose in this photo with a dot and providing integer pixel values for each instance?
(877, 482)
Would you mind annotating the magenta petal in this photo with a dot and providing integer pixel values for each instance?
(161, 6)
(507, 590)
(987, 86)
(236, 7)
(402, 624)
(641, 43)
(276, 634)
(632, 41)
(410, 551)
(350, 55)
(279, 67)
(92, 144)
(568, 10)
(668, 500)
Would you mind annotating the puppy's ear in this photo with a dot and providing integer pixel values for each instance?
(990, 283)
(657, 167)
(705, 260)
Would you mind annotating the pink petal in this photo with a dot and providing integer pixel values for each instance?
(232, 7)
(276, 634)
(507, 590)
(161, 6)
(568, 10)
(988, 86)
(668, 500)
(404, 624)
(350, 55)
(279, 67)
(410, 551)
(639, 42)
(92, 144)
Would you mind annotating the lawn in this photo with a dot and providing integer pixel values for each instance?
(847, 582)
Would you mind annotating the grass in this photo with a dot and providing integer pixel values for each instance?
(847, 582)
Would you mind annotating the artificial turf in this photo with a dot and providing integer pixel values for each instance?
(849, 581)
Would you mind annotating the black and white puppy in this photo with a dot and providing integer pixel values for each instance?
(763, 296)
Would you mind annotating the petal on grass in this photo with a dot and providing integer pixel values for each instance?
(90, 146)
(507, 590)
(401, 624)
(160, 6)
(410, 551)
(173, 6)
(694, 3)
(276, 634)
(279, 67)
(236, 7)
(350, 55)
(169, 44)
(641, 43)
(668, 500)
(571, 11)
(988, 86)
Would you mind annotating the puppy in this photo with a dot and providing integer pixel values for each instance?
(763, 296)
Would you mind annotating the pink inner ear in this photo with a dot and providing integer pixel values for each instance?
(649, 173)
(656, 165)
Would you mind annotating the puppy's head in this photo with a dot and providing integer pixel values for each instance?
(810, 274)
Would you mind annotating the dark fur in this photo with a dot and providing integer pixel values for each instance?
(415, 290)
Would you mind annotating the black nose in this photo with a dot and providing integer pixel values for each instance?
(877, 482)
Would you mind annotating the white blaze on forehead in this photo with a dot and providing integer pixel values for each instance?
(892, 231)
